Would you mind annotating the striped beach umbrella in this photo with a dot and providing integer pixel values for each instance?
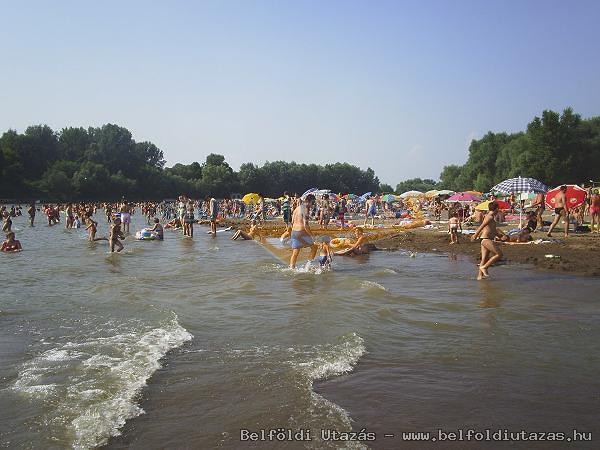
(518, 185)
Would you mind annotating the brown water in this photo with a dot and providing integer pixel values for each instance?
(184, 343)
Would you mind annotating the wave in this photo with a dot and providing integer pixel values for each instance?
(92, 385)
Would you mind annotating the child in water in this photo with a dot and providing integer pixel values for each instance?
(115, 234)
(325, 255)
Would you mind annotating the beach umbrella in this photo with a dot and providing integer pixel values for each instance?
(310, 191)
(350, 196)
(251, 197)
(525, 196)
(446, 192)
(363, 198)
(575, 196)
(484, 205)
(431, 193)
(475, 193)
(411, 194)
(518, 185)
(463, 197)
(388, 198)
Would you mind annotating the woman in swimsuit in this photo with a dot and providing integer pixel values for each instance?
(11, 245)
(487, 232)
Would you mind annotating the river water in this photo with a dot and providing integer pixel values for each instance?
(187, 343)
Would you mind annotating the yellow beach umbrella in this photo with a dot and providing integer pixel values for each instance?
(431, 193)
(477, 193)
(251, 197)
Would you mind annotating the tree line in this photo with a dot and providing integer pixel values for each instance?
(105, 163)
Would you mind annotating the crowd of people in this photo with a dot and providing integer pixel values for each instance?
(322, 210)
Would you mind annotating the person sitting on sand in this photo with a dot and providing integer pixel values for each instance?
(487, 231)
(253, 233)
(521, 237)
(11, 245)
(453, 226)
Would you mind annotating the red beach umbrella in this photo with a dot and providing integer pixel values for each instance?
(575, 196)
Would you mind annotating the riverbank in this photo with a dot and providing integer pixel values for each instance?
(578, 253)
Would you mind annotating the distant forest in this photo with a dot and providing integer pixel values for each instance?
(106, 163)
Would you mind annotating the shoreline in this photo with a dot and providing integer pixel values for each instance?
(577, 254)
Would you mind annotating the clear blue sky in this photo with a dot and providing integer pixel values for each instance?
(398, 86)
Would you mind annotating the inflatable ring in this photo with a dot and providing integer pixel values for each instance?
(337, 242)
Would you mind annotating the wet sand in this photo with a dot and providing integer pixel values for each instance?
(578, 253)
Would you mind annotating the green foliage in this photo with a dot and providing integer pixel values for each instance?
(416, 184)
(554, 149)
(106, 163)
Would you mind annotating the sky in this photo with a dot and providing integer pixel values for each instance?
(399, 86)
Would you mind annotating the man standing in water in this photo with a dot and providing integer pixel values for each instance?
(561, 210)
(213, 211)
(31, 212)
(490, 253)
(301, 236)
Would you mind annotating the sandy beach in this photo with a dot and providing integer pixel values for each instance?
(578, 253)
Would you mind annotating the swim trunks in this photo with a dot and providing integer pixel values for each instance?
(558, 210)
(301, 239)
(594, 209)
(323, 260)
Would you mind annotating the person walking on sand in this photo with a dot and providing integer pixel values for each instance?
(487, 232)
(595, 211)
(301, 236)
(561, 210)
(371, 208)
(453, 226)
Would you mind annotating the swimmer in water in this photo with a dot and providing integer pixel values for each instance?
(11, 245)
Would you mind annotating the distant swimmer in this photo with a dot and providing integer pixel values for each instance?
(11, 245)
(487, 232)
(301, 236)
(253, 233)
